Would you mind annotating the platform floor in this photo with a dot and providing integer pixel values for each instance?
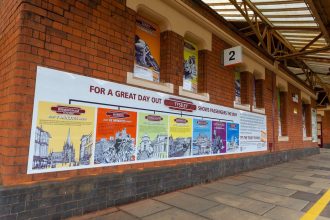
(286, 191)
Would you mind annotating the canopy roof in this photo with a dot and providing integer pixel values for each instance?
(295, 32)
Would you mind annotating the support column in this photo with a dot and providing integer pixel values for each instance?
(171, 59)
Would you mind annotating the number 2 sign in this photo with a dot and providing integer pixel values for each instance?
(232, 56)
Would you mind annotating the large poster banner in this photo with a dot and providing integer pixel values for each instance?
(81, 122)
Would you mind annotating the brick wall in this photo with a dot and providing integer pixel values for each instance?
(95, 38)
(326, 129)
(12, 104)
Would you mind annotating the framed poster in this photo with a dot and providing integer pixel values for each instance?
(190, 55)
(147, 50)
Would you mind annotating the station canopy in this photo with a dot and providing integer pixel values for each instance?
(294, 32)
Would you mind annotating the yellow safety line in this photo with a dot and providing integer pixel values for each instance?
(317, 208)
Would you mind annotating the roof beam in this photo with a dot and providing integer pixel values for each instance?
(312, 42)
(248, 20)
(318, 19)
(315, 59)
(299, 54)
(298, 28)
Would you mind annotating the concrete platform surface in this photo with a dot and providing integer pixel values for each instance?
(286, 191)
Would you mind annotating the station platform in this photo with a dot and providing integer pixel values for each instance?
(293, 190)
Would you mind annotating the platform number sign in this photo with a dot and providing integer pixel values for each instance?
(232, 56)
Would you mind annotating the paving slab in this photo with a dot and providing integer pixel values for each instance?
(144, 207)
(294, 186)
(240, 202)
(199, 191)
(224, 212)
(311, 197)
(120, 215)
(259, 175)
(232, 181)
(187, 202)
(174, 214)
(270, 189)
(322, 176)
(226, 188)
(271, 198)
(294, 181)
(281, 213)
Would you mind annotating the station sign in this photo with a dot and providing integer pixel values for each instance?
(233, 56)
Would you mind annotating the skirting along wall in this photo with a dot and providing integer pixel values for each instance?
(95, 38)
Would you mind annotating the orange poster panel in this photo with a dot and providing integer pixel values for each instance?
(115, 136)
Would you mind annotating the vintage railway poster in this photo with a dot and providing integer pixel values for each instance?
(233, 137)
(201, 137)
(147, 50)
(152, 142)
(219, 137)
(63, 136)
(115, 136)
(190, 55)
(180, 136)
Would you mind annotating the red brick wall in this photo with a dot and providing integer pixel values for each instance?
(219, 80)
(93, 38)
(171, 58)
(13, 103)
(326, 128)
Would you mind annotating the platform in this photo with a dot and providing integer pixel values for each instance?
(286, 191)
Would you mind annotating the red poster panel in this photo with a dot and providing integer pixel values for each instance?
(115, 136)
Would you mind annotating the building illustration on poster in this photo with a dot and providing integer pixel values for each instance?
(233, 137)
(152, 136)
(190, 56)
(180, 136)
(60, 138)
(201, 137)
(115, 136)
(219, 137)
(147, 50)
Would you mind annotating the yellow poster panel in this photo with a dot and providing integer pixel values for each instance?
(190, 76)
(64, 136)
(180, 137)
(147, 50)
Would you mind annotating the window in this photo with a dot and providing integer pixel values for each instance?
(190, 77)
(147, 50)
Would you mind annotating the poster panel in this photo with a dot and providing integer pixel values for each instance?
(180, 136)
(190, 55)
(115, 136)
(202, 143)
(147, 50)
(253, 132)
(152, 139)
(232, 138)
(219, 131)
(63, 136)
